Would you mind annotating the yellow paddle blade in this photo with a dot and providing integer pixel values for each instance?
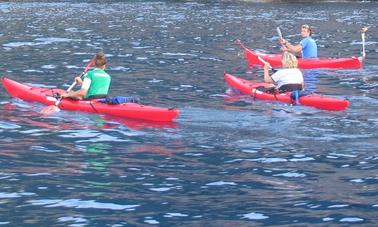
(50, 110)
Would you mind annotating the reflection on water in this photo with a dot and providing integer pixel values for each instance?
(228, 160)
(311, 80)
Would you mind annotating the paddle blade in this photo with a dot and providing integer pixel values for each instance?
(50, 110)
(279, 32)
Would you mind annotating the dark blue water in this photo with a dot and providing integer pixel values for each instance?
(226, 161)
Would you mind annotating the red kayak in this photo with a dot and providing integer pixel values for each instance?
(315, 100)
(309, 63)
(129, 110)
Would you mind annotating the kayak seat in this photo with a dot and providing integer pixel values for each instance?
(270, 90)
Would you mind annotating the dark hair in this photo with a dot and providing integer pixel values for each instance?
(308, 27)
(100, 59)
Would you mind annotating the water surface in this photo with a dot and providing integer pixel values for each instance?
(226, 161)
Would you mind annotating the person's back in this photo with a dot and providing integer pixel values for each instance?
(99, 85)
(290, 78)
(95, 84)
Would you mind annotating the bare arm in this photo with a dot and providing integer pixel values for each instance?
(80, 94)
(294, 48)
(267, 78)
(289, 47)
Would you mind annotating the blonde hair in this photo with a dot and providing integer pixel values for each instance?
(289, 60)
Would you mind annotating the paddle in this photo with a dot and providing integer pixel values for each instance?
(54, 108)
(280, 35)
(363, 30)
(265, 62)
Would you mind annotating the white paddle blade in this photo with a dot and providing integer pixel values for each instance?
(363, 30)
(279, 32)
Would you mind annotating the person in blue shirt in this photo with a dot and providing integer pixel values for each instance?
(307, 47)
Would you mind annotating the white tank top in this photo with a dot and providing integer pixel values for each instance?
(288, 76)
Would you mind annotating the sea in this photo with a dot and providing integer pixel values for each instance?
(228, 159)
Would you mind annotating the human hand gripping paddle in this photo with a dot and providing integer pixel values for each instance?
(55, 108)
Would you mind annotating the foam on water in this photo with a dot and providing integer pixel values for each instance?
(80, 204)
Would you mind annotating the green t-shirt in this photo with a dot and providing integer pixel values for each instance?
(100, 82)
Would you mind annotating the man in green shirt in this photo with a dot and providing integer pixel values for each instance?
(96, 82)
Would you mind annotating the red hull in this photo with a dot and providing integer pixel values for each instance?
(314, 100)
(310, 63)
(129, 110)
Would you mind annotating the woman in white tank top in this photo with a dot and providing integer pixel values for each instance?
(289, 78)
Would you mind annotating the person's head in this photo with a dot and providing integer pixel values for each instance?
(306, 30)
(100, 60)
(289, 60)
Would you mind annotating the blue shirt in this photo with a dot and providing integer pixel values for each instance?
(309, 48)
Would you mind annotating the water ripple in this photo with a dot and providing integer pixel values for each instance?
(225, 161)
(80, 204)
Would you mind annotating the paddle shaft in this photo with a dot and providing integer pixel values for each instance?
(74, 83)
(363, 31)
(363, 44)
(263, 61)
(81, 75)
(270, 67)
